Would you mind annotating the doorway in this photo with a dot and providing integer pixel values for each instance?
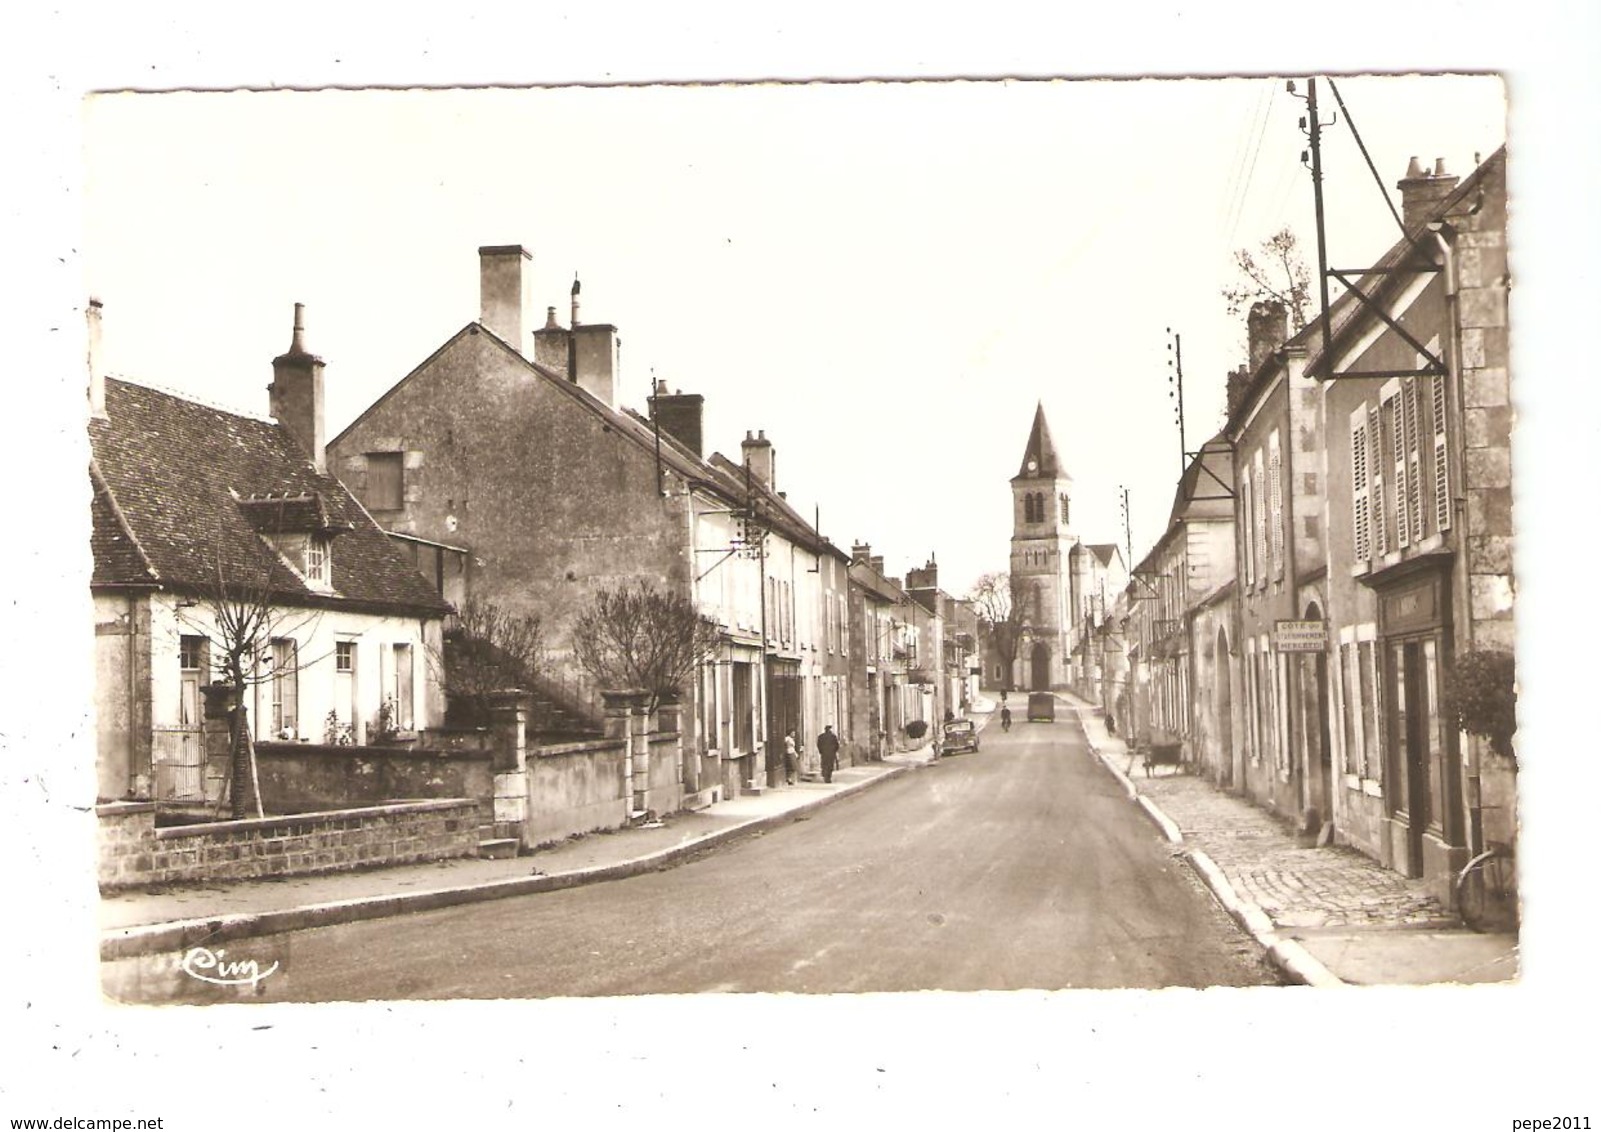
(1040, 668)
(1317, 752)
(1225, 712)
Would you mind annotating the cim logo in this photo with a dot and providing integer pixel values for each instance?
(216, 968)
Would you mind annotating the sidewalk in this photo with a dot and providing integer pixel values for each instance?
(1326, 916)
(144, 923)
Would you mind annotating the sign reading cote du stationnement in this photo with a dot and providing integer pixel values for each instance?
(1300, 636)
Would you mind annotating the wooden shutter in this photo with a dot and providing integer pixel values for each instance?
(1414, 460)
(1442, 477)
(1276, 495)
(1392, 410)
(1247, 525)
(1261, 515)
(1361, 532)
(1381, 544)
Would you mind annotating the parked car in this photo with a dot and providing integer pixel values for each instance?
(1041, 706)
(960, 735)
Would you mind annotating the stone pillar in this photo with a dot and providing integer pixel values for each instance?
(639, 757)
(621, 709)
(509, 716)
(670, 720)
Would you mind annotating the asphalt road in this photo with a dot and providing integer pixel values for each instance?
(1022, 866)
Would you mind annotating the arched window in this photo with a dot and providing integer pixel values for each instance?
(1039, 603)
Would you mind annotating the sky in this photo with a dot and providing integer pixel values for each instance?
(885, 277)
(887, 284)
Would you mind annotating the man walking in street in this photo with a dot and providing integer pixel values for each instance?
(828, 747)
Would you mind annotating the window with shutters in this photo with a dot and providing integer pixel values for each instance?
(1414, 459)
(1261, 515)
(1248, 523)
(285, 689)
(1361, 538)
(1442, 477)
(1064, 510)
(1381, 543)
(1276, 501)
(1394, 421)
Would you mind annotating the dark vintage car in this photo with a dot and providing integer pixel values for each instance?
(960, 735)
(1041, 706)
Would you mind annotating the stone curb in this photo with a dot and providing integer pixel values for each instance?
(1285, 954)
(151, 939)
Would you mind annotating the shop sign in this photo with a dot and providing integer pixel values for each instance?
(1300, 636)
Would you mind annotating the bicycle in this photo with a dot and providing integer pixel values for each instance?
(1487, 890)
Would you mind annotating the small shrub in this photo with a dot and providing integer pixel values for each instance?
(917, 728)
(1481, 698)
(335, 733)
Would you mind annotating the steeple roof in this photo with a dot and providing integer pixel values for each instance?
(1041, 450)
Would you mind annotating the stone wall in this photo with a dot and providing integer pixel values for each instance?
(303, 777)
(582, 787)
(134, 852)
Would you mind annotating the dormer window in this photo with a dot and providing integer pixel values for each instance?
(317, 571)
(300, 529)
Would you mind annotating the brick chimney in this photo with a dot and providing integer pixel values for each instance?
(925, 579)
(861, 553)
(1266, 327)
(502, 290)
(551, 343)
(595, 358)
(758, 453)
(1422, 192)
(877, 563)
(295, 397)
(1238, 380)
(680, 415)
(97, 375)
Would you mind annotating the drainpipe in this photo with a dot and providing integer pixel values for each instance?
(1462, 629)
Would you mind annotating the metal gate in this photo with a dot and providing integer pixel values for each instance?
(178, 755)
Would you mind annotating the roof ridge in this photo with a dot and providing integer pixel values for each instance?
(193, 399)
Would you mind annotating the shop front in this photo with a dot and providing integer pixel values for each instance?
(1422, 779)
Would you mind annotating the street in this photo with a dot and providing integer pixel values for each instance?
(1021, 866)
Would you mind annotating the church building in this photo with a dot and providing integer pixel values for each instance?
(1066, 586)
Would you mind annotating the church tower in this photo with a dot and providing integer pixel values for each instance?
(1041, 542)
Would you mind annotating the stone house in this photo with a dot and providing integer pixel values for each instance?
(1178, 627)
(1275, 426)
(511, 442)
(199, 512)
(890, 637)
(1415, 394)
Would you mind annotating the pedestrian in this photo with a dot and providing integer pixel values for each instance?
(1006, 718)
(828, 747)
(789, 758)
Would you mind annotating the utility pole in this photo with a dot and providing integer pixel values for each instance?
(1128, 536)
(1176, 364)
(1314, 129)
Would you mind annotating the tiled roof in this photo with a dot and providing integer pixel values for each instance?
(170, 478)
(1105, 551)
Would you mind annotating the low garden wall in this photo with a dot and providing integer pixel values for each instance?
(581, 787)
(303, 777)
(134, 852)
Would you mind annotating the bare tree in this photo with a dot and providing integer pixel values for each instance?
(489, 648)
(1001, 603)
(1280, 273)
(639, 638)
(242, 598)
